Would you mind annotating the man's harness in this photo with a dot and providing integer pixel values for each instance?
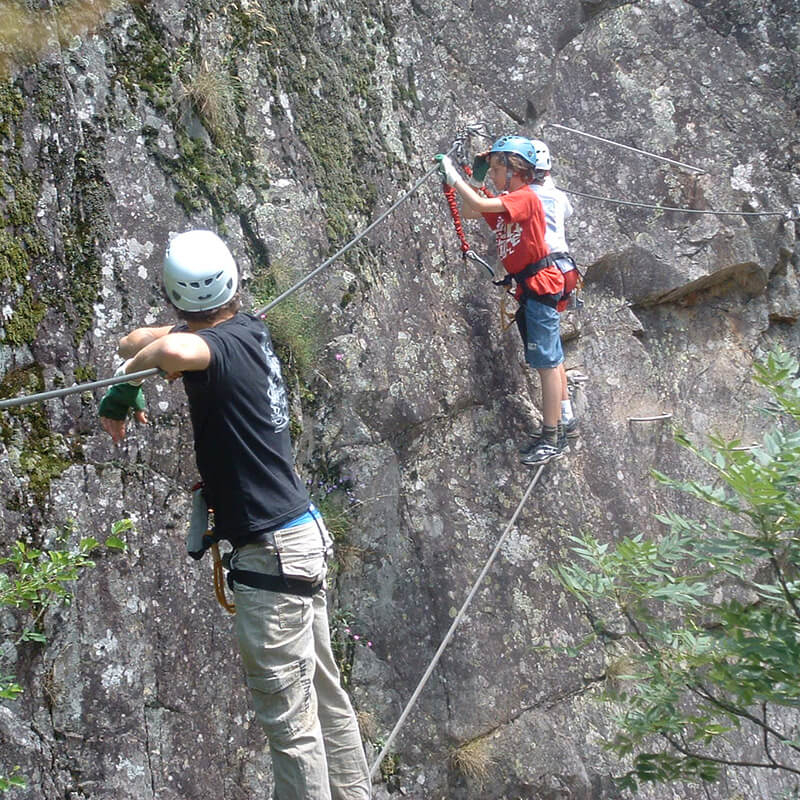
(197, 546)
(256, 580)
(273, 583)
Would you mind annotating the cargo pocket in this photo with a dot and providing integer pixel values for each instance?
(303, 550)
(283, 699)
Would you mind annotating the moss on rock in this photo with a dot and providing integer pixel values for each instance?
(334, 103)
(22, 244)
(35, 451)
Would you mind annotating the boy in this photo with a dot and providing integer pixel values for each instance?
(240, 420)
(557, 209)
(517, 218)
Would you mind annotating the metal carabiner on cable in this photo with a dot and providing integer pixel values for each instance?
(473, 256)
(450, 195)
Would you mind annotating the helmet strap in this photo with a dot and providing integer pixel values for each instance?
(509, 173)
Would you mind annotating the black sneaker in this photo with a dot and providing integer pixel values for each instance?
(543, 452)
(570, 430)
(531, 442)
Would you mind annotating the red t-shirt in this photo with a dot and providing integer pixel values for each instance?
(519, 234)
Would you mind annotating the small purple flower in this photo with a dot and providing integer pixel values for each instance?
(369, 644)
(356, 636)
(338, 356)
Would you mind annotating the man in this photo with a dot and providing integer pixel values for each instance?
(240, 420)
(517, 218)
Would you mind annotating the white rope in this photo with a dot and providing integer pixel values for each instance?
(146, 373)
(624, 146)
(455, 624)
(785, 214)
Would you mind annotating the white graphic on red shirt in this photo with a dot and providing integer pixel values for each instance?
(508, 236)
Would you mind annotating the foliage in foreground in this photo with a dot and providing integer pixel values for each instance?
(701, 624)
(33, 581)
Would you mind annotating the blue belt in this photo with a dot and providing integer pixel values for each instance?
(308, 516)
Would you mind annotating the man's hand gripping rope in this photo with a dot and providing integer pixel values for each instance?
(118, 401)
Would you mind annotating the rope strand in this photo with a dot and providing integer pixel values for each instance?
(625, 147)
(84, 387)
(450, 196)
(453, 626)
(784, 214)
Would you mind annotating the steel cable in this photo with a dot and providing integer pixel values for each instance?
(146, 373)
(456, 622)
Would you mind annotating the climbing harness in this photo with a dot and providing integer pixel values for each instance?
(202, 537)
(273, 583)
(256, 580)
(456, 622)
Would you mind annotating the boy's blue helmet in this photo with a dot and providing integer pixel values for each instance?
(518, 145)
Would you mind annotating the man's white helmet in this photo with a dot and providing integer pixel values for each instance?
(199, 271)
(542, 154)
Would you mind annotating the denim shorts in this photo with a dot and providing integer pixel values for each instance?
(542, 336)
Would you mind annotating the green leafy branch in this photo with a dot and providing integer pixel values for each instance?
(34, 580)
(701, 623)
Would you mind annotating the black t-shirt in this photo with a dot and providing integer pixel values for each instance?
(240, 417)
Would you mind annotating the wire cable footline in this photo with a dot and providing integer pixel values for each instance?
(625, 147)
(727, 213)
(453, 626)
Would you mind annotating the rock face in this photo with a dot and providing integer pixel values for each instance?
(287, 128)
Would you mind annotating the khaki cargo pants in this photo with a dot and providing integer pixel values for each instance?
(285, 646)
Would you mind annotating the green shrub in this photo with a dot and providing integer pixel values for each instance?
(705, 616)
(34, 580)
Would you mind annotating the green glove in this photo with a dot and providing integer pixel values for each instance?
(447, 169)
(120, 399)
(480, 166)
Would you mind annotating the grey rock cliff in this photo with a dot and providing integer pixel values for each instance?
(287, 128)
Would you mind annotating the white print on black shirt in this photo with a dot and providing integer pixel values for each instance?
(276, 392)
(507, 236)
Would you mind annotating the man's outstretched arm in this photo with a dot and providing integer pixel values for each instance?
(171, 352)
(131, 344)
